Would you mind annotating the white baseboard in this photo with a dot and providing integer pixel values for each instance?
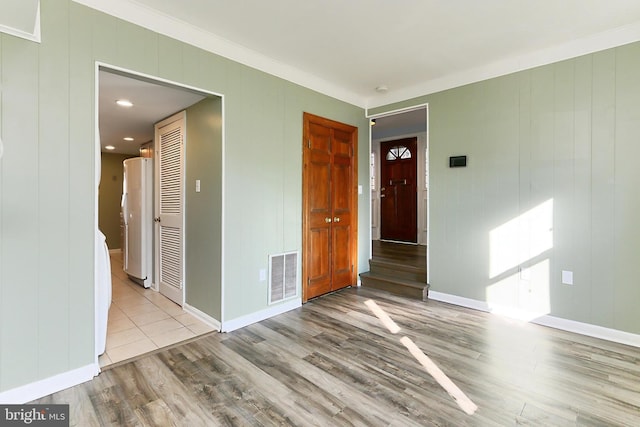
(241, 322)
(201, 315)
(589, 330)
(581, 328)
(36, 390)
(461, 301)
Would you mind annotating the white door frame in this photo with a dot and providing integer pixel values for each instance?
(98, 163)
(424, 106)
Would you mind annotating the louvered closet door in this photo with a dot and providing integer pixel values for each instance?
(170, 205)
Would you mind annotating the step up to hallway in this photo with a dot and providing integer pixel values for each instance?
(398, 268)
(395, 285)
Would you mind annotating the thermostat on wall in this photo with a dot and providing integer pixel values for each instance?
(458, 161)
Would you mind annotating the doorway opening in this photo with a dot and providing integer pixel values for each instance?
(401, 127)
(128, 106)
(399, 173)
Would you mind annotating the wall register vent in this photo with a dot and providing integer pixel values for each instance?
(283, 276)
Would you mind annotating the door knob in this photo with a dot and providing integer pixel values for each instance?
(327, 220)
(336, 219)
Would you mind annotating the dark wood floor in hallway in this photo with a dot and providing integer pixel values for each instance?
(401, 253)
(332, 362)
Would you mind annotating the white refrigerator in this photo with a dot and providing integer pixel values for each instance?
(137, 219)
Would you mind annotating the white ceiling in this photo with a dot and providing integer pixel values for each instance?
(152, 102)
(348, 48)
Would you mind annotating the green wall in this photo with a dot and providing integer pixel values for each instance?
(203, 210)
(110, 196)
(47, 200)
(48, 196)
(563, 137)
(263, 181)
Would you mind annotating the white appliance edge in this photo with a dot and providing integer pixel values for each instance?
(137, 212)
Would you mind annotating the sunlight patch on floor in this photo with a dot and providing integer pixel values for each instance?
(445, 382)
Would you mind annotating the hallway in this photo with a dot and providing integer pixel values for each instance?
(143, 320)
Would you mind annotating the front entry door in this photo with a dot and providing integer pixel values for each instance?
(329, 206)
(398, 198)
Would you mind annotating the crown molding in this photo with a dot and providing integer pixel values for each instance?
(167, 25)
(594, 43)
(154, 20)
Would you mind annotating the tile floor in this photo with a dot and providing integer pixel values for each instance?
(142, 320)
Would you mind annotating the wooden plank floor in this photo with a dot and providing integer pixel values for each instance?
(332, 362)
(413, 255)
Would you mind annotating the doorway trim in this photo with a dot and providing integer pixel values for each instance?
(415, 107)
(98, 65)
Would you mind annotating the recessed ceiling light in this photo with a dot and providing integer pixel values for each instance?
(128, 138)
(110, 147)
(124, 103)
(382, 89)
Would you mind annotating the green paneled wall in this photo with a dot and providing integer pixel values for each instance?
(47, 191)
(20, 216)
(203, 234)
(271, 216)
(566, 134)
(626, 292)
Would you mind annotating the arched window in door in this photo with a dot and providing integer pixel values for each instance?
(398, 152)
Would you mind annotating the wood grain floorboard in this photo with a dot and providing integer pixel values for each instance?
(333, 363)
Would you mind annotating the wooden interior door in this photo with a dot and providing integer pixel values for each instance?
(398, 197)
(329, 206)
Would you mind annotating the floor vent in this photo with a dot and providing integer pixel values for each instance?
(283, 277)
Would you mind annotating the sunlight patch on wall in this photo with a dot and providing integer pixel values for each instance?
(521, 290)
(521, 239)
(524, 295)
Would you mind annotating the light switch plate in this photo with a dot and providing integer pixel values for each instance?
(567, 277)
(197, 185)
